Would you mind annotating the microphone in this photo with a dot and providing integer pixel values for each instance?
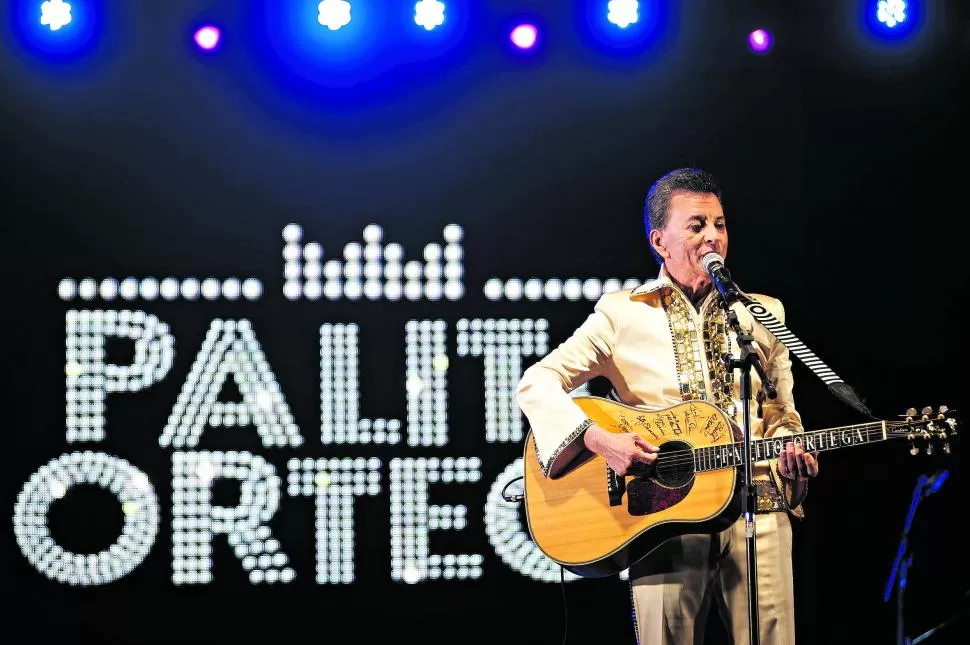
(714, 264)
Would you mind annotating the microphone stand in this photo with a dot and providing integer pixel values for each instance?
(730, 294)
(748, 360)
(904, 557)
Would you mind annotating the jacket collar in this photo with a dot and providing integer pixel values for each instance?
(653, 285)
(663, 280)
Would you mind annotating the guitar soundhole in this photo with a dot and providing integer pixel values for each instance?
(669, 482)
(675, 464)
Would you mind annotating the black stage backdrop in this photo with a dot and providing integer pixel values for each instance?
(390, 241)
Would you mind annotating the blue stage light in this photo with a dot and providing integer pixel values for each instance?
(622, 27)
(892, 20)
(57, 29)
(891, 13)
(333, 14)
(55, 14)
(429, 14)
(623, 13)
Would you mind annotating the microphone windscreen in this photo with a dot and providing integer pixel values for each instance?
(711, 259)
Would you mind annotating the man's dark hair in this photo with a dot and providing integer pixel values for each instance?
(691, 180)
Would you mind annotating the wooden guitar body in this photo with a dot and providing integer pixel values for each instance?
(573, 519)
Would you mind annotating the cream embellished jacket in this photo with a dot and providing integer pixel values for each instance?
(657, 351)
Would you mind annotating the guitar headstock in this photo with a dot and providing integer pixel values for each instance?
(928, 429)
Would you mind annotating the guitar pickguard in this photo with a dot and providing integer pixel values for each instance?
(645, 496)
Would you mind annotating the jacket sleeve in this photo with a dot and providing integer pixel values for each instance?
(556, 422)
(779, 416)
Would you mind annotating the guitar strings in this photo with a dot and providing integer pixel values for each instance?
(683, 457)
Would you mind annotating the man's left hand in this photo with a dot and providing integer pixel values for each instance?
(795, 463)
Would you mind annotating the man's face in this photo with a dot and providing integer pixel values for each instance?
(695, 227)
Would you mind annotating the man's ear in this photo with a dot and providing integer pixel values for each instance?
(656, 241)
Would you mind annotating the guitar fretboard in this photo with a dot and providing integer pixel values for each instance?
(732, 454)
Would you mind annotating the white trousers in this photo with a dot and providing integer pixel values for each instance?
(677, 583)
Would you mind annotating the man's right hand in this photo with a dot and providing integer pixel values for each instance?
(625, 452)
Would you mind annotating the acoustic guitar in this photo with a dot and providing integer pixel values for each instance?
(595, 523)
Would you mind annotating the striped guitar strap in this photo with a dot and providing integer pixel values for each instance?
(839, 388)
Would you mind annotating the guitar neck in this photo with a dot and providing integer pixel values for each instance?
(732, 454)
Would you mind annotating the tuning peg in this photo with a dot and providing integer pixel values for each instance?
(941, 412)
(910, 412)
(927, 411)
